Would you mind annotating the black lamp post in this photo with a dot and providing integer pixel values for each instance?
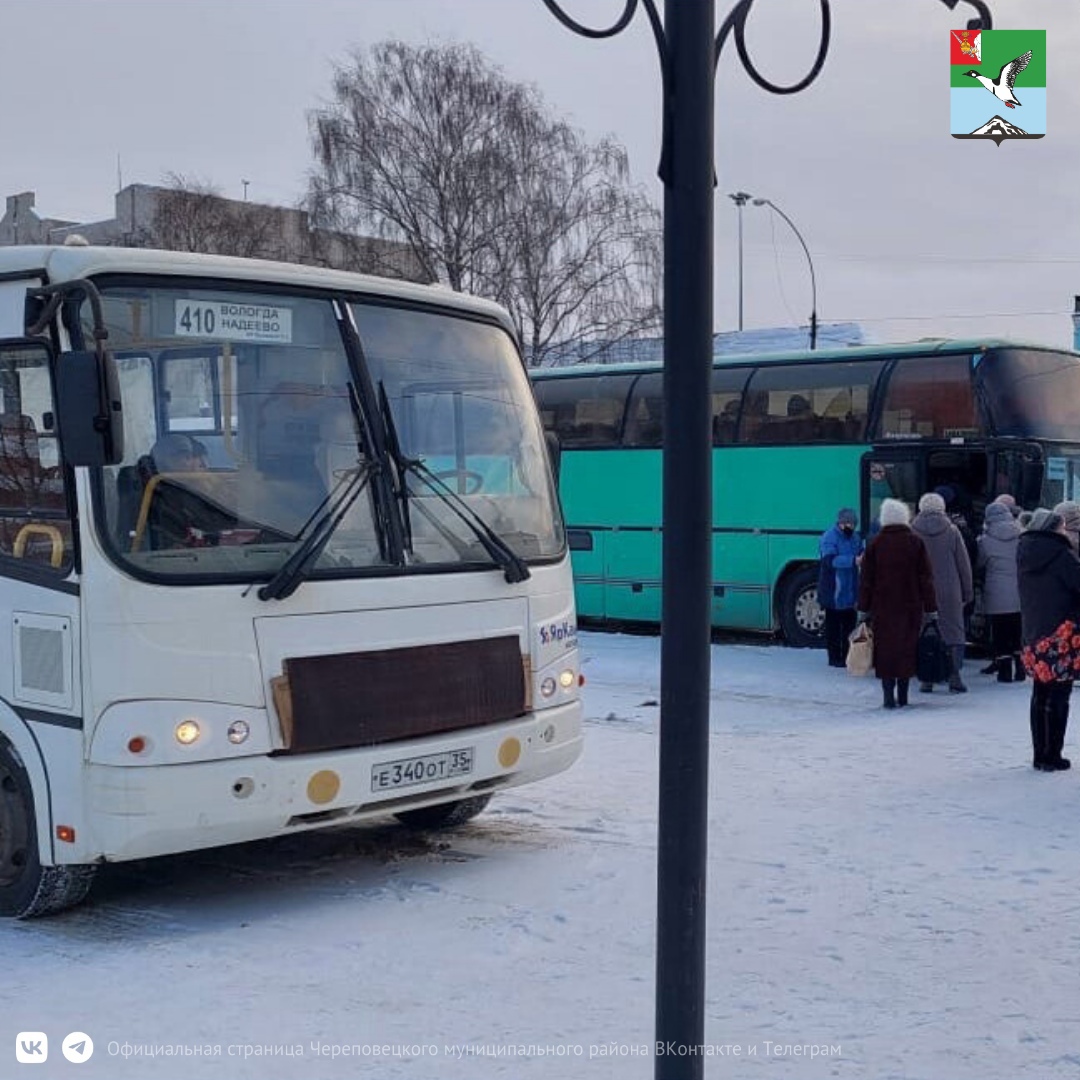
(813, 280)
(688, 55)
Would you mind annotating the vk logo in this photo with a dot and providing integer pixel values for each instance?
(31, 1047)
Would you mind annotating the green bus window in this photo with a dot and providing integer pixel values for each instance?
(584, 412)
(930, 397)
(727, 395)
(1030, 392)
(645, 413)
(809, 402)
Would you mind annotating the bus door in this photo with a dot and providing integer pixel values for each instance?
(890, 472)
(908, 472)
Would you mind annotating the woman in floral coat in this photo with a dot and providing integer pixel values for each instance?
(1049, 580)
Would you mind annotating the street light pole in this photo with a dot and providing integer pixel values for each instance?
(813, 280)
(686, 170)
(739, 198)
(688, 57)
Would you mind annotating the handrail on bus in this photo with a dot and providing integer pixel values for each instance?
(56, 555)
(144, 510)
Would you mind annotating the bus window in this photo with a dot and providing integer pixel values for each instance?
(727, 394)
(34, 522)
(1030, 392)
(809, 403)
(585, 413)
(930, 397)
(645, 413)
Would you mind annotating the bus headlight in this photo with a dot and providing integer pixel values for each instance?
(187, 732)
(238, 731)
(566, 679)
(547, 687)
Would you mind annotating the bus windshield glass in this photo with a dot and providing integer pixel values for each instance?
(244, 421)
(1030, 393)
(460, 403)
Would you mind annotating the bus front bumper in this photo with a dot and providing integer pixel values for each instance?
(141, 811)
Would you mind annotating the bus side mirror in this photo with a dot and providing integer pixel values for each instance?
(88, 409)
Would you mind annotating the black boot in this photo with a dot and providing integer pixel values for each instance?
(1004, 669)
(990, 668)
(1057, 722)
(956, 659)
(888, 687)
(1018, 669)
(1037, 714)
(902, 691)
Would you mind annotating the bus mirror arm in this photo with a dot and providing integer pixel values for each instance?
(89, 412)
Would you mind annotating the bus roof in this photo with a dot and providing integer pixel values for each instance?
(63, 263)
(926, 347)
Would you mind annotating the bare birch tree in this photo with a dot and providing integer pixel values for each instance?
(434, 147)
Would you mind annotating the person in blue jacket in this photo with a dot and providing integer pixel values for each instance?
(840, 551)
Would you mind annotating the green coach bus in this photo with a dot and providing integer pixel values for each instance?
(795, 436)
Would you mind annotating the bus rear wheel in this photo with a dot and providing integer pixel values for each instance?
(445, 815)
(27, 888)
(802, 618)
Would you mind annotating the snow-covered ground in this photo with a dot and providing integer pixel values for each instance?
(900, 887)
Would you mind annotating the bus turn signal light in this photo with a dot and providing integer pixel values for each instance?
(65, 833)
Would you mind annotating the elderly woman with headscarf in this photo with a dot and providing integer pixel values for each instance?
(1049, 580)
(953, 582)
(896, 596)
(1070, 516)
(996, 564)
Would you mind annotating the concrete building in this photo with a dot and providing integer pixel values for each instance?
(190, 220)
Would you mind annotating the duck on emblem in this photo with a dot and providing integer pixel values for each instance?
(1002, 86)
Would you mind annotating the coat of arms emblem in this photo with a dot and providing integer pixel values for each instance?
(993, 73)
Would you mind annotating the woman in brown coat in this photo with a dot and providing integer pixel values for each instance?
(896, 595)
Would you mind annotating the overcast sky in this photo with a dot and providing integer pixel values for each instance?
(912, 233)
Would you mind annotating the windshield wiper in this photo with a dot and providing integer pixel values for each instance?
(499, 551)
(393, 449)
(334, 508)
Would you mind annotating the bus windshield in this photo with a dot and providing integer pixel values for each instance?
(1030, 392)
(246, 415)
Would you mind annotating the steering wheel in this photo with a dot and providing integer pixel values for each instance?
(474, 481)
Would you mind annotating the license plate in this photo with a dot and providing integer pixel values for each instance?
(422, 769)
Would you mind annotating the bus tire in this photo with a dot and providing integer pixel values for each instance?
(27, 888)
(802, 619)
(445, 815)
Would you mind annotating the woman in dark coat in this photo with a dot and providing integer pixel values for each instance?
(896, 595)
(1048, 574)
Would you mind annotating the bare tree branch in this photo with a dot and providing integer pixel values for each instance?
(434, 147)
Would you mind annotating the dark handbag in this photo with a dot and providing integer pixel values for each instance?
(932, 658)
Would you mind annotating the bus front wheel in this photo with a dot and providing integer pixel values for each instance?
(26, 887)
(802, 618)
(445, 815)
